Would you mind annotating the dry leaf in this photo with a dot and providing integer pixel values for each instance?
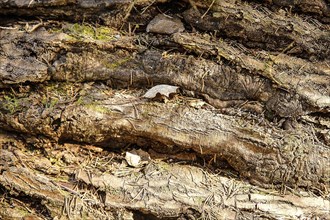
(163, 90)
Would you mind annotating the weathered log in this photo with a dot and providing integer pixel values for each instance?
(103, 187)
(109, 11)
(59, 59)
(262, 29)
(318, 7)
(79, 9)
(98, 115)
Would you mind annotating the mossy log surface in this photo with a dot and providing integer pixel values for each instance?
(247, 136)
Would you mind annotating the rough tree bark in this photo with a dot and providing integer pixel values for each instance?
(246, 137)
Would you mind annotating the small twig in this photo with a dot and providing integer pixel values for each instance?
(193, 4)
(34, 27)
(90, 177)
(203, 83)
(22, 204)
(208, 9)
(145, 8)
(131, 78)
(8, 28)
(130, 7)
(141, 191)
(30, 3)
(131, 124)
(65, 187)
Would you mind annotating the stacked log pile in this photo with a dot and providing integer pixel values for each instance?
(246, 134)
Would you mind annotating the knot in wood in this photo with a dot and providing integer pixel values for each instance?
(285, 105)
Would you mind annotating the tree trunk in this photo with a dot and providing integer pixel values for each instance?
(253, 105)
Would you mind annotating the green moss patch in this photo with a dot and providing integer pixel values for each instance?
(81, 31)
